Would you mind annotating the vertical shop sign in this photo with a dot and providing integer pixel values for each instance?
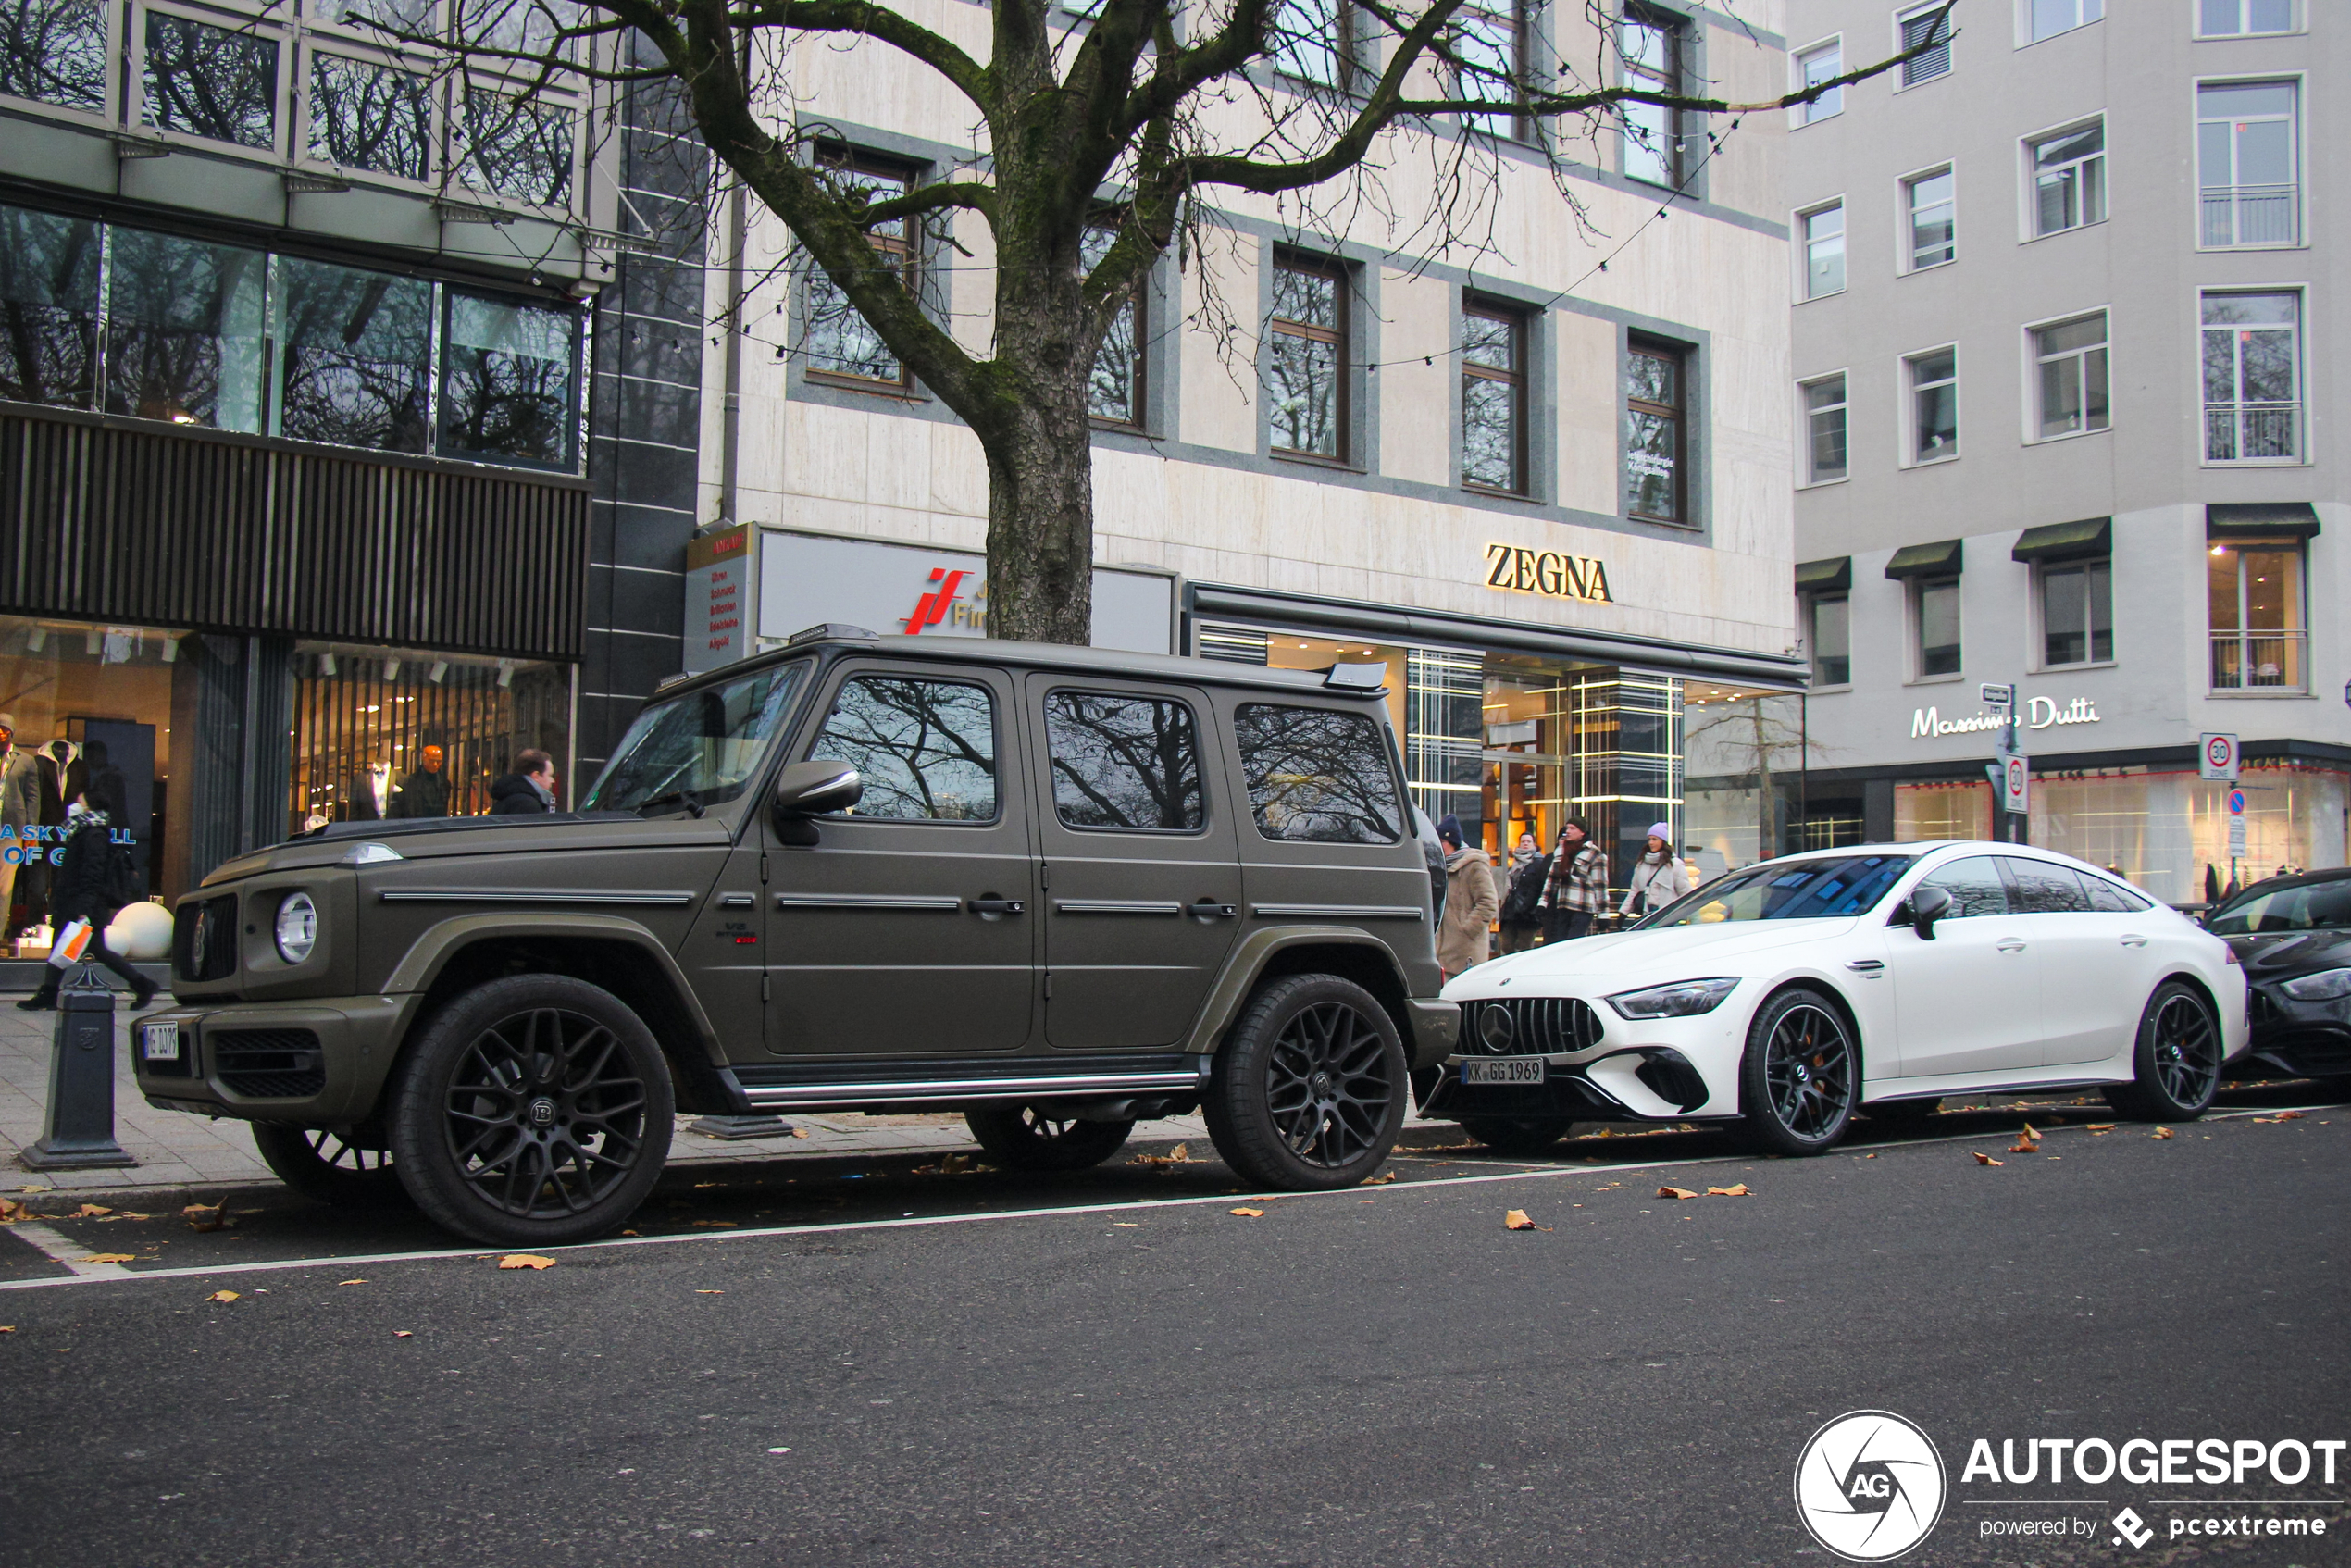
(719, 575)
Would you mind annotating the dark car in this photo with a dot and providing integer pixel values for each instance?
(1056, 888)
(2293, 934)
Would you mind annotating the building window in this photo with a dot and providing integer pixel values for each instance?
(1825, 251)
(1935, 610)
(1493, 399)
(1306, 360)
(1933, 226)
(2255, 588)
(2070, 376)
(2238, 19)
(839, 341)
(2252, 377)
(1934, 405)
(354, 357)
(1314, 42)
(1115, 391)
(1831, 640)
(2077, 613)
(48, 308)
(1823, 63)
(1654, 444)
(54, 52)
(1824, 432)
(517, 147)
(1929, 24)
(1649, 50)
(2047, 18)
(184, 331)
(370, 117)
(2248, 164)
(2069, 178)
(509, 381)
(211, 81)
(1488, 41)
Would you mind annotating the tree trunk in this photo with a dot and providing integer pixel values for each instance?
(1040, 522)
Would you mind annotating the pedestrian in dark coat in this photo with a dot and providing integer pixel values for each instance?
(423, 792)
(88, 885)
(1577, 887)
(530, 788)
(1521, 914)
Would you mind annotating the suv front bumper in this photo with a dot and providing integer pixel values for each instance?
(321, 1064)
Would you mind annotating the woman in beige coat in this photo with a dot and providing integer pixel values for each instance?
(1471, 903)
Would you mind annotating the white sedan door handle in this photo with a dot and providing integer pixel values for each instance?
(2010, 945)
(2134, 941)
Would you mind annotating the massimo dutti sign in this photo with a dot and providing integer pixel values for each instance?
(1548, 573)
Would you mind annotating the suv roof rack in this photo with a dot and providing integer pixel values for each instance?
(830, 630)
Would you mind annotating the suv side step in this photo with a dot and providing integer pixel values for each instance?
(811, 1085)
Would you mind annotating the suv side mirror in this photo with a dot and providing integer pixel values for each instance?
(806, 790)
(1928, 904)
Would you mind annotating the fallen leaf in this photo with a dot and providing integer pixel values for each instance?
(351, 1282)
(2289, 1116)
(110, 1257)
(1987, 1160)
(716, 1225)
(1128, 1224)
(525, 1260)
(2160, 1132)
(203, 1216)
(632, 1233)
(1516, 1220)
(92, 1212)
(800, 1132)
(1676, 1192)
(2027, 1143)
(7, 1329)
(222, 1296)
(1179, 1156)
(710, 1292)
(1249, 1214)
(1738, 1191)
(1380, 1180)
(402, 1334)
(11, 1212)
(1869, 1156)
(125, 1214)
(2100, 1126)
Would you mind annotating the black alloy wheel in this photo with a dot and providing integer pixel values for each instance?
(2176, 1063)
(1517, 1134)
(534, 1111)
(1027, 1137)
(1309, 1091)
(1800, 1076)
(326, 1166)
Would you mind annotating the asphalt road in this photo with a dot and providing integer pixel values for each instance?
(925, 1368)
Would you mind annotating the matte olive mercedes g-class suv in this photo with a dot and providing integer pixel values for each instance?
(1056, 888)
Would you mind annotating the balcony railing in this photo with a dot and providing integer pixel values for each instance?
(2252, 432)
(2257, 661)
(2252, 215)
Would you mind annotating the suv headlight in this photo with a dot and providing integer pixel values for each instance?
(297, 926)
(1683, 999)
(2324, 986)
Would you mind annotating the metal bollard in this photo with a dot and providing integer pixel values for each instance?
(80, 1131)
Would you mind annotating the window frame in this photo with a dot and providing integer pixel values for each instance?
(857, 160)
(2026, 38)
(2296, 637)
(2033, 359)
(444, 305)
(1805, 414)
(1138, 380)
(2298, 84)
(2030, 145)
(1903, 81)
(1812, 603)
(1006, 766)
(1909, 388)
(1675, 30)
(1518, 378)
(113, 86)
(130, 65)
(2297, 21)
(1684, 357)
(2043, 572)
(1905, 239)
(1346, 43)
(1813, 113)
(1522, 18)
(2298, 410)
(438, 135)
(1341, 337)
(1802, 226)
(1917, 588)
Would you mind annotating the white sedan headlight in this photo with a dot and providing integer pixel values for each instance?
(297, 926)
(2324, 986)
(1683, 999)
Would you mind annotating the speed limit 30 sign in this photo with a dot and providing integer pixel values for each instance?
(2217, 758)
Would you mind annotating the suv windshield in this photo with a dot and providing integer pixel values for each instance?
(1804, 889)
(697, 748)
(2314, 906)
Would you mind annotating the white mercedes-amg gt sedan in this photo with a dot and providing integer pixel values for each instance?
(1791, 995)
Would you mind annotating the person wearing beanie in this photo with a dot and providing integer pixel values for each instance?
(1471, 903)
(1658, 876)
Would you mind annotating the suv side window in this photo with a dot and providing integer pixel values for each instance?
(1318, 776)
(925, 748)
(1974, 885)
(1121, 761)
(2042, 888)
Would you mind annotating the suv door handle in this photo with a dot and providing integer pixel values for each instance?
(2133, 939)
(2009, 944)
(995, 907)
(1209, 909)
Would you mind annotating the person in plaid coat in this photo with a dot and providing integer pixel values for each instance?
(1578, 887)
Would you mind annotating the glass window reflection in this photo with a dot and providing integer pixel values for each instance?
(211, 81)
(507, 382)
(354, 357)
(370, 117)
(184, 331)
(54, 52)
(48, 308)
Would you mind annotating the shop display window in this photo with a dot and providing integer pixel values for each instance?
(1926, 811)
(2168, 832)
(1746, 756)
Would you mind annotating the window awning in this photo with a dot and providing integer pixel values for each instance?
(2238, 519)
(2085, 539)
(1927, 560)
(1831, 575)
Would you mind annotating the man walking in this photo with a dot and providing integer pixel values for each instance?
(1578, 888)
(530, 788)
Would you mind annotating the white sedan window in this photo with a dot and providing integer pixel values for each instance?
(1974, 885)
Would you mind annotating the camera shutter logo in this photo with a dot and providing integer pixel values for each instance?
(1869, 1486)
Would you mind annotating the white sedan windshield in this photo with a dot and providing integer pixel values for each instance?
(1804, 889)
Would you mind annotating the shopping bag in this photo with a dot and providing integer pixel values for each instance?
(70, 944)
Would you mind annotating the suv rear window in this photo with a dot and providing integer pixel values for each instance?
(1317, 776)
(1123, 761)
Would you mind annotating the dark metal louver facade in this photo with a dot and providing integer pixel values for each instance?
(112, 521)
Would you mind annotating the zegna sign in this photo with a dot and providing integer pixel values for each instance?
(1547, 572)
(2040, 712)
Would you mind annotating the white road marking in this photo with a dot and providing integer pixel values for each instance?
(63, 1249)
(92, 1273)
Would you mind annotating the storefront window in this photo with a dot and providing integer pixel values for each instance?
(354, 357)
(48, 308)
(1746, 757)
(390, 733)
(2168, 832)
(1942, 811)
(184, 331)
(507, 383)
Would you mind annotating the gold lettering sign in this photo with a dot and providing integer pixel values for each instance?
(1516, 569)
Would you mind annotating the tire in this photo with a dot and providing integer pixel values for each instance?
(1308, 1092)
(1903, 1113)
(1516, 1135)
(531, 1112)
(327, 1168)
(1023, 1137)
(1800, 1076)
(2175, 1062)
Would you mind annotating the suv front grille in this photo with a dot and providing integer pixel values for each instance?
(1529, 1026)
(268, 1064)
(203, 940)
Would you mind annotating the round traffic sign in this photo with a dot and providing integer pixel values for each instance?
(2219, 750)
(2236, 803)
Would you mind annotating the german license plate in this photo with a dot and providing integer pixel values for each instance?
(1512, 1070)
(159, 1042)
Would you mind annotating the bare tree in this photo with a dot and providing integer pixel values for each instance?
(1099, 144)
